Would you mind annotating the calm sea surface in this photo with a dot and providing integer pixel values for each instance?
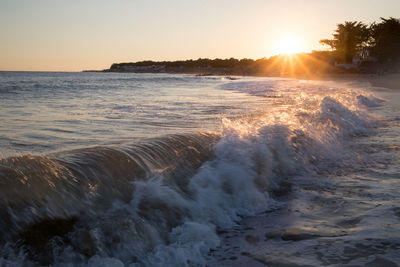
(42, 111)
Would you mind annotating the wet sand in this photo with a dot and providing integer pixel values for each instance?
(350, 219)
(391, 81)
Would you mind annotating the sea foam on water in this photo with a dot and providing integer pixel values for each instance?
(162, 201)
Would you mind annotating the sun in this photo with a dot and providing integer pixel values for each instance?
(289, 44)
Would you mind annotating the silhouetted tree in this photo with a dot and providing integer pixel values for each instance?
(385, 41)
(348, 39)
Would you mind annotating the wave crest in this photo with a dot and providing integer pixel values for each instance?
(160, 202)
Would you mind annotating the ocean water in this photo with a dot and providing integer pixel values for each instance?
(108, 169)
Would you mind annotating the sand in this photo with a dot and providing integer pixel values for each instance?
(391, 81)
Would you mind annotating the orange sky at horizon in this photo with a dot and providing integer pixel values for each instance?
(47, 35)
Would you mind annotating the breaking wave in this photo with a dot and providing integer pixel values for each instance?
(161, 202)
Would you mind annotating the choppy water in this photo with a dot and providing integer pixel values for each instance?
(174, 170)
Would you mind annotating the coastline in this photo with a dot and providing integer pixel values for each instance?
(390, 81)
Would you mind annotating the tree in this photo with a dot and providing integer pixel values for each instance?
(348, 39)
(385, 36)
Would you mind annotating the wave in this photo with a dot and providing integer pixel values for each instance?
(160, 202)
(64, 184)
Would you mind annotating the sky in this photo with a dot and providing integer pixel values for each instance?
(75, 35)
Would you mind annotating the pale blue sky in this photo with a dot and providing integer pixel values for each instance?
(92, 34)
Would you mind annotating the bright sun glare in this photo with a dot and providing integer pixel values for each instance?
(289, 45)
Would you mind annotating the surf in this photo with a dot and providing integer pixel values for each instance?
(174, 191)
(162, 201)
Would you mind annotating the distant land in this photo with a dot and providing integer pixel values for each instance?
(355, 48)
(307, 65)
(273, 66)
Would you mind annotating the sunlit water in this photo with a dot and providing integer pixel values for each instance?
(177, 170)
(42, 112)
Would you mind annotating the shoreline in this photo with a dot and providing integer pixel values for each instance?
(390, 81)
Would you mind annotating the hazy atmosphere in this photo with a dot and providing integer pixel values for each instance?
(199, 133)
(75, 35)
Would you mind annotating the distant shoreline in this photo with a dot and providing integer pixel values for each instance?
(390, 81)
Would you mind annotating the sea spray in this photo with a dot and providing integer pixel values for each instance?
(161, 202)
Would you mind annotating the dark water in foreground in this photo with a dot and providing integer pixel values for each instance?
(173, 170)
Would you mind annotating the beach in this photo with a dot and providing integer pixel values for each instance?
(200, 133)
(391, 81)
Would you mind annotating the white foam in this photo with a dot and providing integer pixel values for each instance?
(163, 226)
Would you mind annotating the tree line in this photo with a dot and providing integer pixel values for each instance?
(201, 63)
(379, 40)
(376, 45)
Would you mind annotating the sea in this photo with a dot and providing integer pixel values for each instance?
(125, 169)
